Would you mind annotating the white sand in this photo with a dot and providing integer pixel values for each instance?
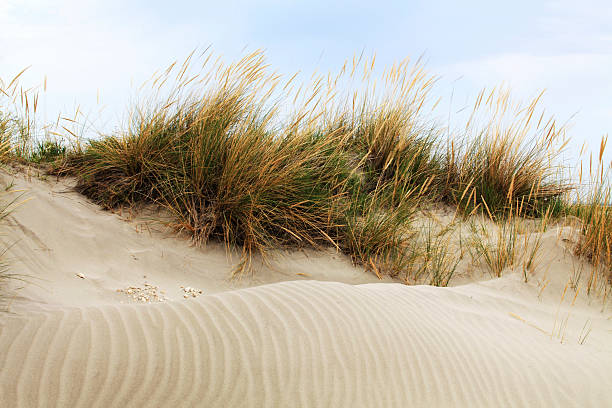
(58, 234)
(75, 341)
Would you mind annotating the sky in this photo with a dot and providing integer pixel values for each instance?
(94, 54)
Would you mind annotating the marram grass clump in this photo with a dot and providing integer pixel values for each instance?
(343, 170)
(240, 155)
(506, 162)
(221, 164)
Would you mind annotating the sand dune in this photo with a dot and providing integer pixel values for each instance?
(58, 234)
(296, 344)
(70, 341)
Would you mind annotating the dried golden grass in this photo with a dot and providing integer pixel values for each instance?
(215, 157)
(594, 209)
(241, 155)
(506, 160)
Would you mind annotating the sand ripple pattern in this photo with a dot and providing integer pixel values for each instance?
(293, 344)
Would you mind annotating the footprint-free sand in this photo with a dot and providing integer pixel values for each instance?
(307, 330)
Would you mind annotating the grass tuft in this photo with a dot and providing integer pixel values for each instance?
(506, 162)
(239, 155)
(594, 209)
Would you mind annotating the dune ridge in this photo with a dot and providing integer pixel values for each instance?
(295, 344)
(70, 339)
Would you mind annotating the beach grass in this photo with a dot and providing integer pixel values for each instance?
(221, 164)
(506, 163)
(8, 200)
(237, 154)
(593, 207)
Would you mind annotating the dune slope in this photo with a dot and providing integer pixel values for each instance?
(296, 344)
(74, 341)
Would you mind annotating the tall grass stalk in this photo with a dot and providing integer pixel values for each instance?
(31, 141)
(594, 209)
(508, 243)
(435, 257)
(6, 204)
(506, 160)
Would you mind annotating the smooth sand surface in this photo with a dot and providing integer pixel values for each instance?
(74, 341)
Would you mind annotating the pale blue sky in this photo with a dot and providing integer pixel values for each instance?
(84, 46)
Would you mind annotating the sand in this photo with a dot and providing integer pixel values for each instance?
(73, 337)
